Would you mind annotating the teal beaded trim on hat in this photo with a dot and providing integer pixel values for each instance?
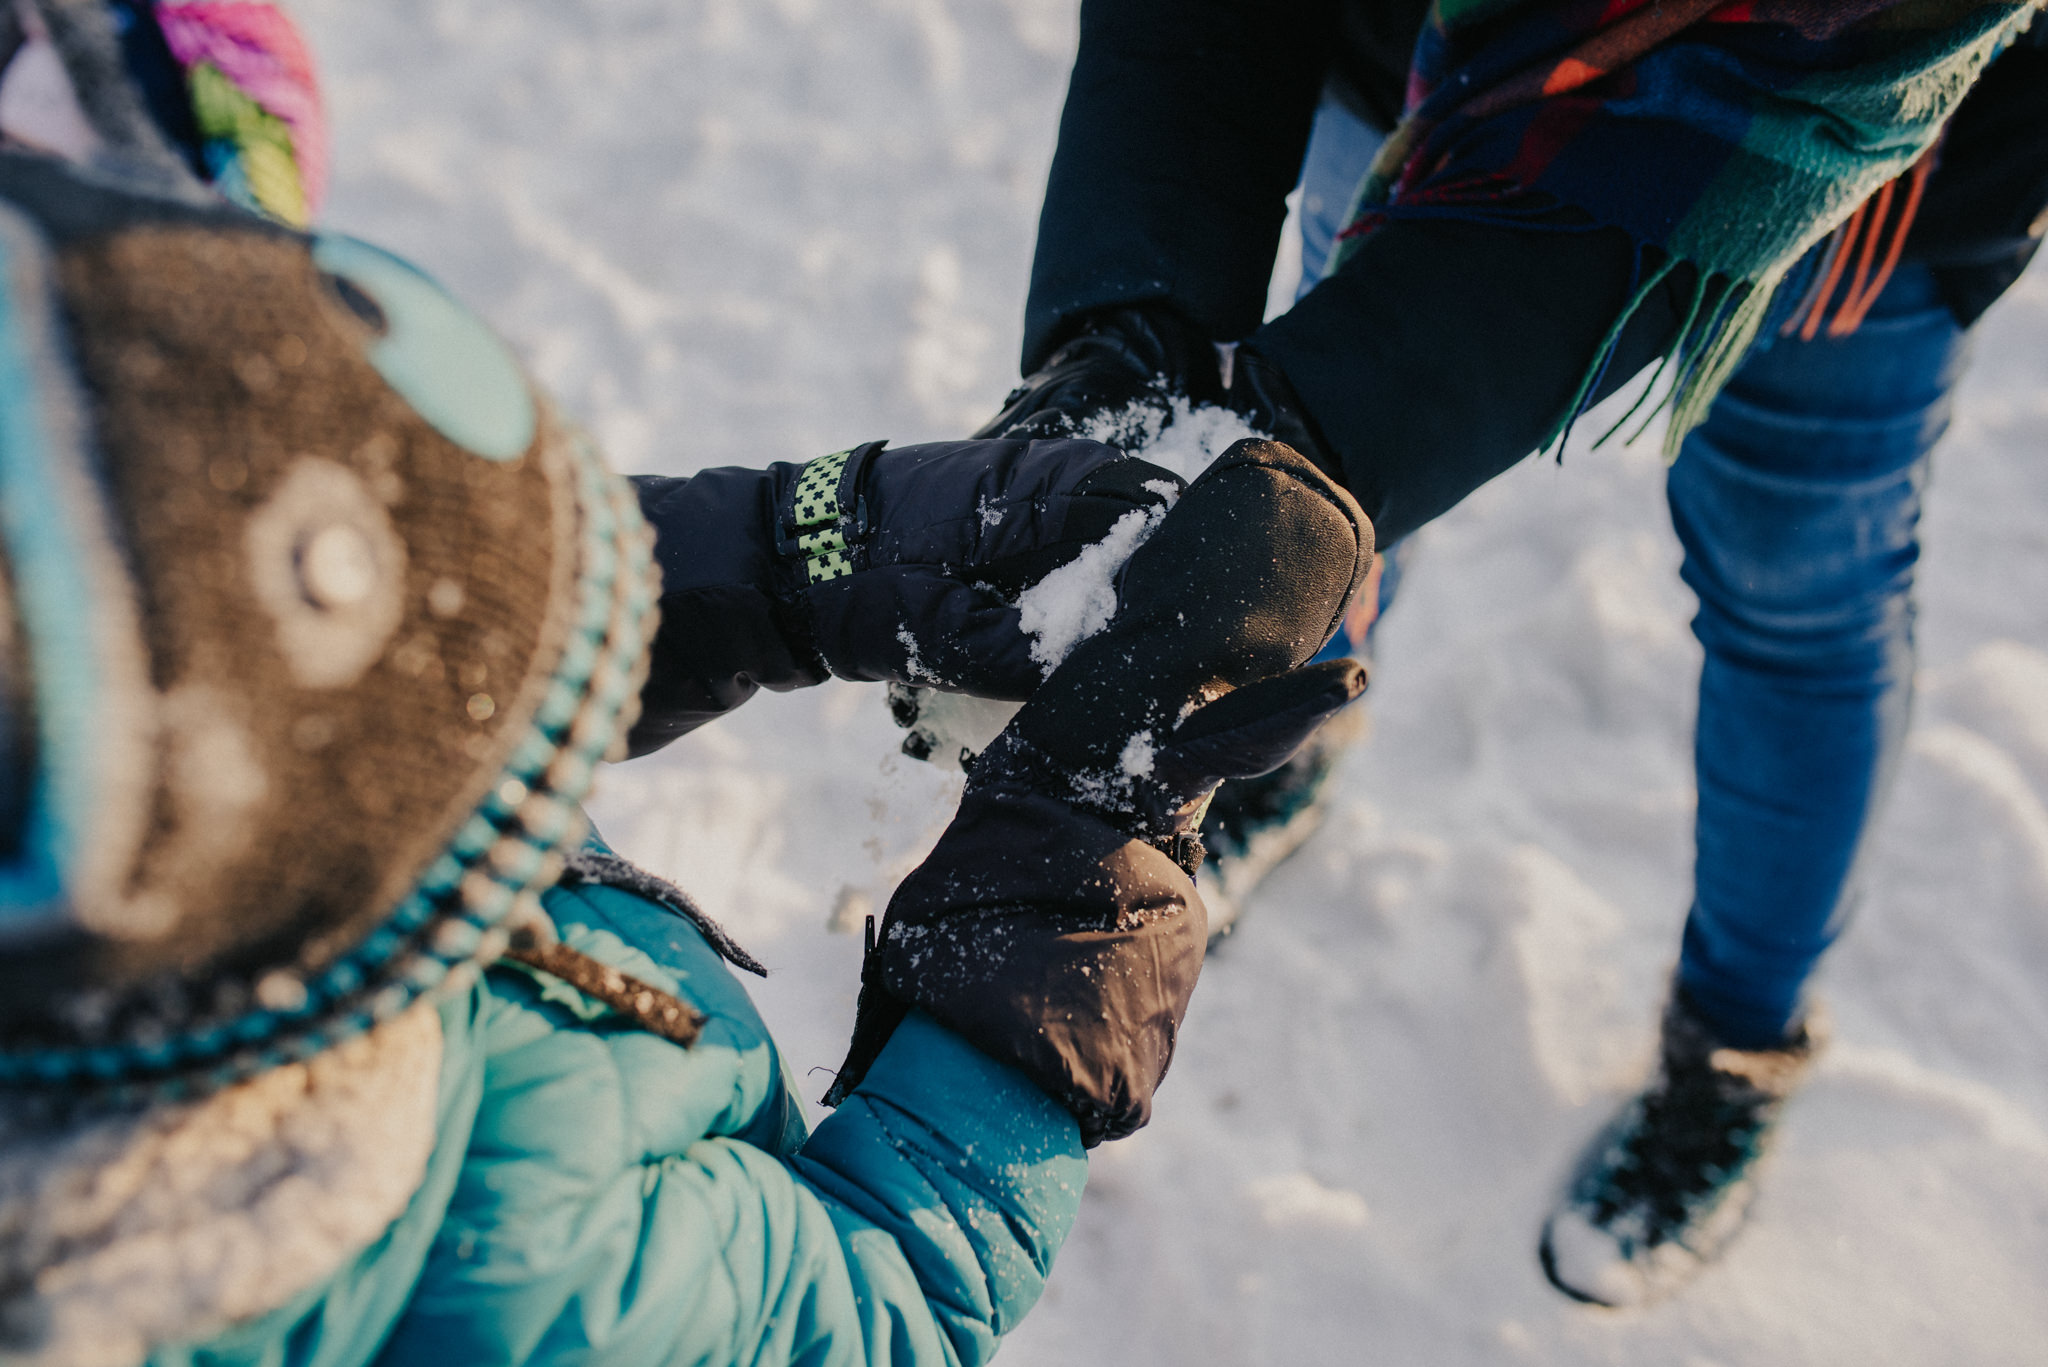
(821, 538)
(507, 853)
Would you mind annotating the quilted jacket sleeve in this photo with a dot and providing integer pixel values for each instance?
(626, 1202)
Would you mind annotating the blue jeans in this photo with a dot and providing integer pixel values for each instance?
(1798, 505)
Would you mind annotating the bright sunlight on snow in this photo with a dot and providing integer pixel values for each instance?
(737, 231)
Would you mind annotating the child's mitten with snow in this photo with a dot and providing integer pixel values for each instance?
(1056, 925)
(871, 564)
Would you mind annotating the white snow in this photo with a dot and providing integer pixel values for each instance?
(954, 724)
(1138, 754)
(1184, 439)
(1077, 600)
(1297, 1198)
(751, 230)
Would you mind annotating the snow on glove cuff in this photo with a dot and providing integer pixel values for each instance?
(905, 564)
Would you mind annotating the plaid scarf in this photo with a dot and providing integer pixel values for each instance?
(1731, 134)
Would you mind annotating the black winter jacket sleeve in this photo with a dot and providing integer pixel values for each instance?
(1183, 132)
(724, 635)
(1987, 204)
(1442, 353)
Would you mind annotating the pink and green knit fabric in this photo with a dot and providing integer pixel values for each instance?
(257, 102)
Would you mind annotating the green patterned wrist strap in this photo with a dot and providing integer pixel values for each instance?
(819, 521)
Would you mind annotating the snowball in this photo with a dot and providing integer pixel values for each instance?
(1077, 600)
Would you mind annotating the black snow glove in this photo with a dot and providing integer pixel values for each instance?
(870, 564)
(1056, 925)
(1115, 379)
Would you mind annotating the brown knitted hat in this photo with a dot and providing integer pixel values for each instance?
(313, 621)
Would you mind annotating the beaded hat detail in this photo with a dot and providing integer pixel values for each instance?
(313, 622)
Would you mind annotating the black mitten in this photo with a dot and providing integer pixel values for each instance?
(870, 564)
(1056, 924)
(1114, 379)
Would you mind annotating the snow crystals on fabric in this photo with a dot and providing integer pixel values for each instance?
(1077, 600)
(1182, 437)
(1138, 754)
(913, 663)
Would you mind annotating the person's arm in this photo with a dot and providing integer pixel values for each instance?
(1469, 325)
(630, 1201)
(1183, 132)
(1439, 355)
(951, 1181)
(877, 563)
(638, 1200)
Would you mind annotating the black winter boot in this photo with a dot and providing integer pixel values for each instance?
(1661, 1191)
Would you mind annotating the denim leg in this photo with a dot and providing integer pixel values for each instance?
(1341, 147)
(1798, 505)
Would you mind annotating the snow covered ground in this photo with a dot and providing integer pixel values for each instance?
(750, 230)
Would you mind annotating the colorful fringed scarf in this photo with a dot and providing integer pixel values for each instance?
(1731, 134)
(256, 101)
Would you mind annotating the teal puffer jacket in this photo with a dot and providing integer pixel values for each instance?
(597, 1194)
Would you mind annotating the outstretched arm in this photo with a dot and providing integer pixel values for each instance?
(1439, 355)
(1554, 160)
(1183, 131)
(655, 1202)
(876, 563)
(628, 1200)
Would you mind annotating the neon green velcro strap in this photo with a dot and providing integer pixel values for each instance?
(819, 537)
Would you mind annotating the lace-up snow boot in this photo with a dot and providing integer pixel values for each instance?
(1662, 1190)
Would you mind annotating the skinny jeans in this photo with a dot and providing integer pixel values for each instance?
(1797, 504)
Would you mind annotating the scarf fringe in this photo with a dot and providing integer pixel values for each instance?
(1712, 342)
(1865, 229)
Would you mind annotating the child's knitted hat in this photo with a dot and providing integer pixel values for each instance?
(313, 621)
